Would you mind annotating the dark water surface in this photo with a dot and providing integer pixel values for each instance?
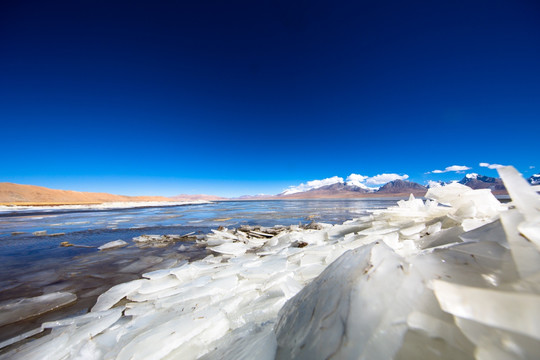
(34, 265)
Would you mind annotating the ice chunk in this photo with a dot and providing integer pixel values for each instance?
(440, 238)
(492, 231)
(447, 194)
(437, 328)
(527, 201)
(251, 341)
(322, 320)
(415, 229)
(160, 284)
(466, 202)
(510, 311)
(230, 248)
(524, 253)
(106, 300)
(170, 335)
(490, 340)
(434, 228)
(20, 337)
(531, 230)
(19, 309)
(113, 245)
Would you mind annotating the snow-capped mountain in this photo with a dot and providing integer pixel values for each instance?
(346, 190)
(476, 181)
(534, 180)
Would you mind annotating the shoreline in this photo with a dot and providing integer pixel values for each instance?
(95, 205)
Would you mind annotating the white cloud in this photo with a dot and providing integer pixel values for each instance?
(385, 178)
(531, 167)
(491, 166)
(356, 180)
(434, 184)
(313, 184)
(454, 168)
(365, 182)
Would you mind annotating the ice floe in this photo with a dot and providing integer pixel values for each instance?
(456, 276)
(113, 245)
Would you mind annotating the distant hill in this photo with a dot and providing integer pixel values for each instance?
(401, 187)
(254, 197)
(476, 181)
(187, 197)
(20, 194)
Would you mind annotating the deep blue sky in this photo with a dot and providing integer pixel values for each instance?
(236, 97)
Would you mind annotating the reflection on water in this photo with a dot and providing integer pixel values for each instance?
(35, 265)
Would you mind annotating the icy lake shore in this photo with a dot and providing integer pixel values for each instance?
(419, 280)
(102, 206)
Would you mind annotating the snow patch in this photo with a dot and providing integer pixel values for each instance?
(313, 184)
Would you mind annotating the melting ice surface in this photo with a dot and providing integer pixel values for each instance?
(33, 263)
(414, 281)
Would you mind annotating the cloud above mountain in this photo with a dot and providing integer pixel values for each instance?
(491, 166)
(313, 184)
(356, 180)
(382, 179)
(453, 168)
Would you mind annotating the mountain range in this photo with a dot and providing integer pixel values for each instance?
(30, 194)
(345, 190)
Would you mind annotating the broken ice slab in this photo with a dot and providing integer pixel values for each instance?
(23, 308)
(524, 252)
(230, 248)
(66, 342)
(492, 231)
(252, 341)
(161, 339)
(437, 328)
(495, 343)
(20, 337)
(113, 245)
(524, 197)
(415, 229)
(466, 201)
(109, 298)
(440, 238)
(517, 312)
(531, 230)
(338, 306)
(40, 233)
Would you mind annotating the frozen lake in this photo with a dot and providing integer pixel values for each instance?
(33, 265)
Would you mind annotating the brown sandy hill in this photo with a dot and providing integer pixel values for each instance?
(19, 194)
